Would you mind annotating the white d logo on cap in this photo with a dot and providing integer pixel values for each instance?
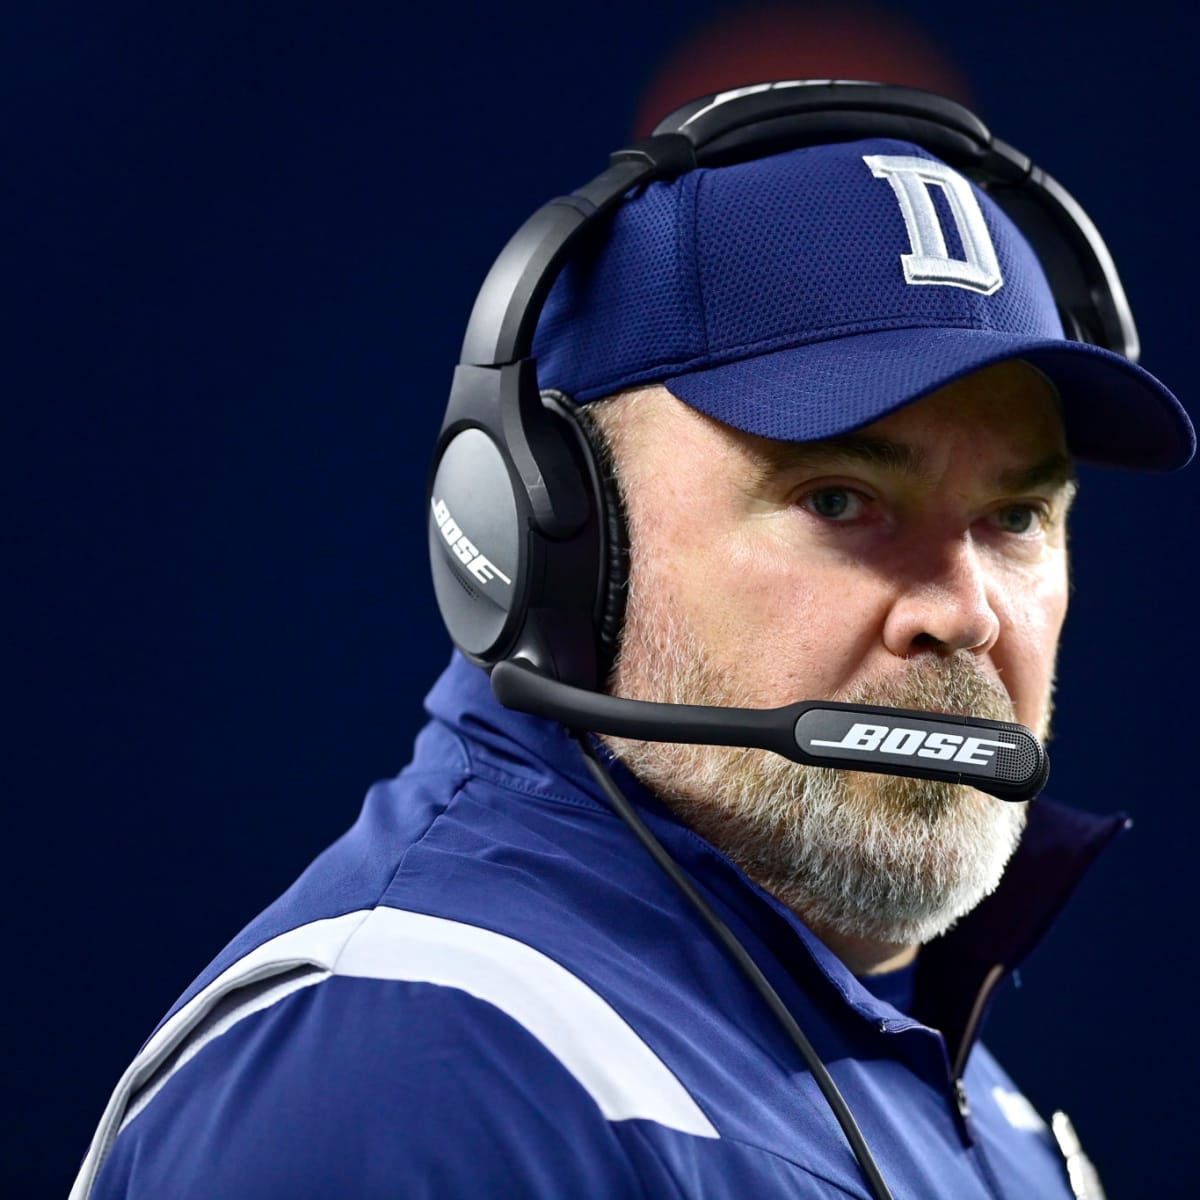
(929, 261)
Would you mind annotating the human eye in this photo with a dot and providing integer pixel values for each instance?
(1021, 519)
(834, 503)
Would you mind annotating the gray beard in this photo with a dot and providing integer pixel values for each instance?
(877, 857)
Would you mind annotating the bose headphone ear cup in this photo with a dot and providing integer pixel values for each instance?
(613, 585)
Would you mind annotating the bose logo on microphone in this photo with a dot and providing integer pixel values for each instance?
(480, 566)
(895, 739)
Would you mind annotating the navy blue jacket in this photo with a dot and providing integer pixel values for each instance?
(487, 987)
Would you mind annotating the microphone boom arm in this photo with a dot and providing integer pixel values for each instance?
(1001, 758)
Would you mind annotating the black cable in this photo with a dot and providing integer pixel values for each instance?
(749, 967)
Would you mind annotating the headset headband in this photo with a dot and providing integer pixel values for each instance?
(752, 122)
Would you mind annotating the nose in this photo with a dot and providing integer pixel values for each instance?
(943, 604)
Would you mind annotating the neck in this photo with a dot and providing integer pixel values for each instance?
(864, 956)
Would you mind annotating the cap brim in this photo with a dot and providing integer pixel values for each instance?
(1115, 413)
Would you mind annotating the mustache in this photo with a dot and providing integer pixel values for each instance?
(952, 685)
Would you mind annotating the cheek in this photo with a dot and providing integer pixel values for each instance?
(1042, 606)
(1033, 623)
(786, 628)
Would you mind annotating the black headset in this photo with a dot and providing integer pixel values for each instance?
(526, 536)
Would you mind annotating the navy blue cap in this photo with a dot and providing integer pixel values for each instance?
(808, 293)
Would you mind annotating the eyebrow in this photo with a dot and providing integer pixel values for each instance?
(1055, 470)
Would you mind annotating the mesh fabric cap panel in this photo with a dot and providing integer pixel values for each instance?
(729, 262)
(623, 298)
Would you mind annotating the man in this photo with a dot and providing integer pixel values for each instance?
(846, 476)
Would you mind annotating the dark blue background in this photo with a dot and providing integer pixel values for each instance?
(243, 243)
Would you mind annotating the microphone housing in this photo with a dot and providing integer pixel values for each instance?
(1001, 758)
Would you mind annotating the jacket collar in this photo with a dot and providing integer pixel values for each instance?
(957, 973)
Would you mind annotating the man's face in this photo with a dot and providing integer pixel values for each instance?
(918, 562)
